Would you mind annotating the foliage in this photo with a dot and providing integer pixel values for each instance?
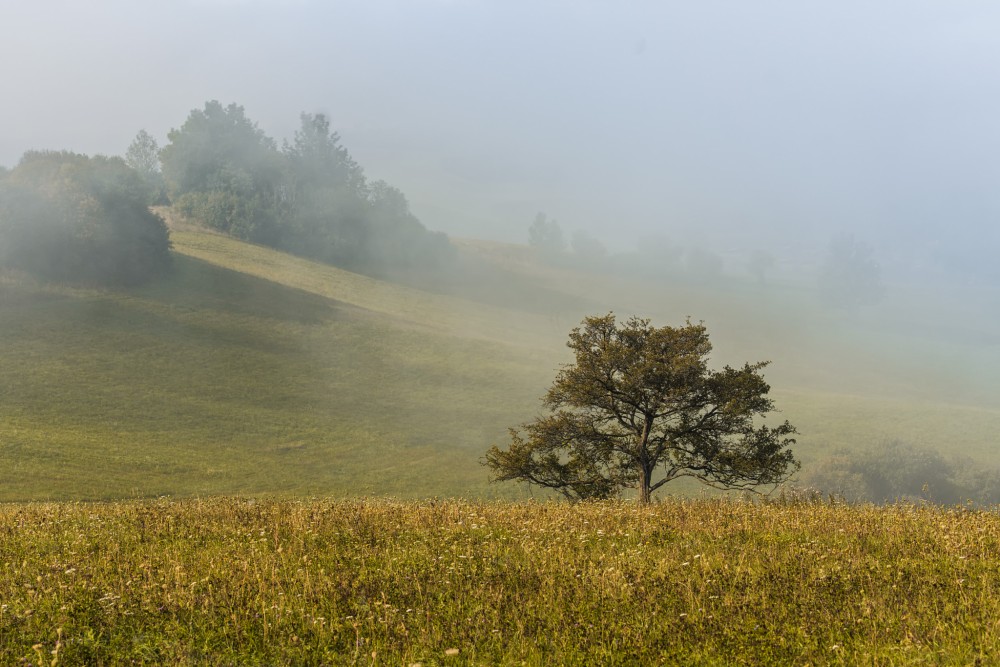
(546, 236)
(311, 198)
(72, 218)
(398, 240)
(850, 277)
(223, 170)
(328, 220)
(639, 401)
(263, 582)
(896, 470)
(143, 155)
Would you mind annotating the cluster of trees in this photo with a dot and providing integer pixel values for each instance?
(848, 278)
(70, 217)
(308, 196)
(894, 470)
(656, 257)
(581, 249)
(84, 219)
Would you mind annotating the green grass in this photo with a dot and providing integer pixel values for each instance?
(378, 582)
(249, 371)
(223, 382)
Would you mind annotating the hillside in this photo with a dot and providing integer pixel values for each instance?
(250, 371)
(245, 373)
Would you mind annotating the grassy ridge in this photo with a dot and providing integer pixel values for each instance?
(380, 582)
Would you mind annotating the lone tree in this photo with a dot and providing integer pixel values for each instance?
(639, 408)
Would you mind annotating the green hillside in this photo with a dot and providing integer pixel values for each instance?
(224, 381)
(250, 371)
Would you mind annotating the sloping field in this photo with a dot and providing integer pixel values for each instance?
(250, 371)
(220, 381)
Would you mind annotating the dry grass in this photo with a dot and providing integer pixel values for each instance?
(317, 582)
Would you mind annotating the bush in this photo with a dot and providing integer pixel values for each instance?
(896, 470)
(72, 218)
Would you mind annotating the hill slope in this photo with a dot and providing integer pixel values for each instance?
(222, 381)
(252, 371)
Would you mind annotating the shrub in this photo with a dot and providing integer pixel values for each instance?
(72, 218)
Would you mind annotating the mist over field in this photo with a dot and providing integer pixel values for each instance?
(818, 183)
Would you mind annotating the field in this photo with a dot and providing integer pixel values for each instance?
(380, 582)
(270, 454)
(249, 371)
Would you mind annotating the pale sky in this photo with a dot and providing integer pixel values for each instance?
(755, 123)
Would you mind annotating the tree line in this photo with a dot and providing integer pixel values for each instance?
(848, 278)
(71, 217)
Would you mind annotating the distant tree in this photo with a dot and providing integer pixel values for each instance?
(223, 170)
(640, 408)
(547, 236)
(143, 155)
(850, 277)
(329, 197)
(72, 218)
(317, 159)
(398, 240)
(759, 264)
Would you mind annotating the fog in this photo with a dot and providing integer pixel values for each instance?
(771, 124)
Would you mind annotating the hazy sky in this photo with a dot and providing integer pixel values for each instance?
(739, 121)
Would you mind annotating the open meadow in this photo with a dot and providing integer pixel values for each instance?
(381, 582)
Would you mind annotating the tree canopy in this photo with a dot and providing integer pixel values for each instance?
(639, 408)
(547, 236)
(82, 219)
(310, 197)
(143, 155)
(221, 169)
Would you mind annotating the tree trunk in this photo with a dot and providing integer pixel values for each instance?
(645, 480)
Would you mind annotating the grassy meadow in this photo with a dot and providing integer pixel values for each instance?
(381, 582)
(220, 381)
(235, 465)
(250, 371)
